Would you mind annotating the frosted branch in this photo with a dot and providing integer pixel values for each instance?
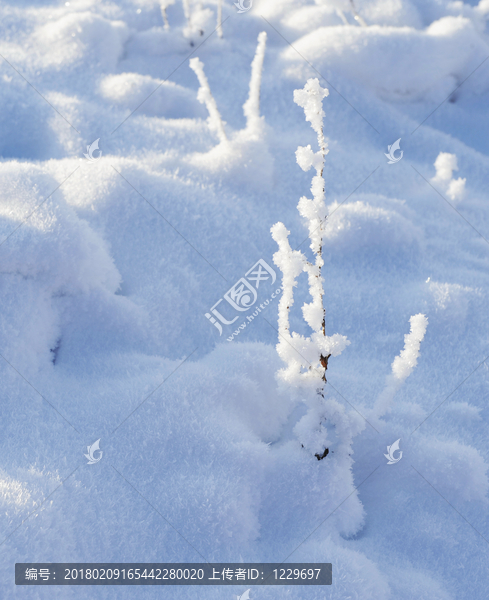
(164, 4)
(251, 107)
(306, 358)
(403, 364)
(219, 18)
(204, 96)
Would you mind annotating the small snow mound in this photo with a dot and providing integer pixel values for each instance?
(81, 36)
(390, 61)
(359, 226)
(463, 412)
(355, 576)
(51, 243)
(242, 161)
(46, 253)
(457, 471)
(157, 97)
(451, 298)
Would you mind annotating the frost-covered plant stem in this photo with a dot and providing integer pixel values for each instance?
(402, 366)
(314, 351)
(356, 16)
(186, 11)
(306, 358)
(204, 96)
(251, 107)
(251, 138)
(341, 15)
(219, 18)
(164, 4)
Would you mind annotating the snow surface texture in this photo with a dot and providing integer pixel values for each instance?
(108, 268)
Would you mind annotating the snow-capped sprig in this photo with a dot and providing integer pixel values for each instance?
(306, 358)
(164, 4)
(291, 263)
(204, 96)
(403, 365)
(310, 98)
(255, 123)
(251, 107)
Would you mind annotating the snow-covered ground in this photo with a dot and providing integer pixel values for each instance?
(109, 267)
